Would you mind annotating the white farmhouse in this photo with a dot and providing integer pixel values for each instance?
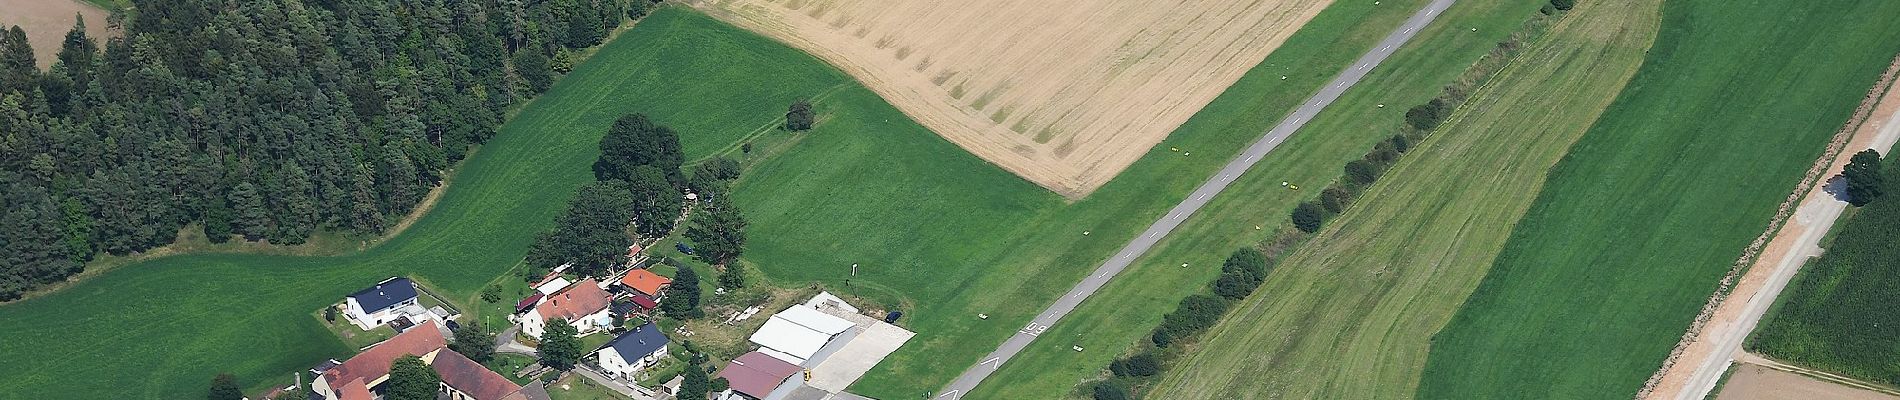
(377, 305)
(583, 304)
(633, 351)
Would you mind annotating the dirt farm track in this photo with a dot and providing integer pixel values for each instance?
(1064, 94)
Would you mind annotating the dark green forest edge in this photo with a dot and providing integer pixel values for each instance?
(263, 121)
(1837, 315)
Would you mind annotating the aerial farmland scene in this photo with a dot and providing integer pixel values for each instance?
(914, 199)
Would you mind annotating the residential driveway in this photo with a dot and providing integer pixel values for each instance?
(617, 386)
(505, 342)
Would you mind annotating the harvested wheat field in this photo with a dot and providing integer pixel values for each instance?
(1064, 94)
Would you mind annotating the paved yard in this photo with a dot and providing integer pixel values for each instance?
(875, 340)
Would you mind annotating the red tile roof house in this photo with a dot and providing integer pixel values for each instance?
(757, 376)
(582, 304)
(462, 378)
(645, 282)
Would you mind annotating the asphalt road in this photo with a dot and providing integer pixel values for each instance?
(1214, 185)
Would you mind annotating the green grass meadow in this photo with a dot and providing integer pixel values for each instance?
(1636, 225)
(1350, 314)
(1837, 314)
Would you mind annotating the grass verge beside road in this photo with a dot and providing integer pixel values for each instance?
(1635, 226)
(1351, 313)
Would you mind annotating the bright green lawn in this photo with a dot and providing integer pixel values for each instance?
(162, 329)
(1636, 225)
(1351, 313)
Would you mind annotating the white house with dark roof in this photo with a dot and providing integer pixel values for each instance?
(633, 351)
(377, 305)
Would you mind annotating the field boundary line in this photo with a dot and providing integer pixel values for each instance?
(767, 127)
(1782, 213)
(1778, 365)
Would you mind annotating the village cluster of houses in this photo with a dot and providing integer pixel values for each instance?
(791, 344)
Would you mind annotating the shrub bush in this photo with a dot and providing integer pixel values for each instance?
(1308, 217)
(1362, 172)
(1334, 199)
(1426, 116)
(1144, 364)
(1110, 391)
(1563, 4)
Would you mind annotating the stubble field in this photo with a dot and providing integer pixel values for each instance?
(1066, 97)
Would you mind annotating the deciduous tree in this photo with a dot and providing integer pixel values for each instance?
(718, 231)
(559, 348)
(799, 116)
(411, 379)
(474, 341)
(1863, 177)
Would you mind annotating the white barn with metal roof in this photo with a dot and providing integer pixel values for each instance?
(799, 334)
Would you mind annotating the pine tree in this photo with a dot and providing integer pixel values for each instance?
(18, 73)
(682, 297)
(298, 216)
(32, 242)
(249, 217)
(365, 214)
(694, 384)
(77, 53)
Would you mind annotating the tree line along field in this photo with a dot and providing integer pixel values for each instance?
(163, 328)
(1351, 313)
(1837, 314)
(1129, 307)
(1636, 225)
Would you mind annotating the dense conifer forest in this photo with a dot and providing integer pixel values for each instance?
(260, 120)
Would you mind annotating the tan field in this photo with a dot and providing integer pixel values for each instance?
(46, 23)
(1064, 94)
